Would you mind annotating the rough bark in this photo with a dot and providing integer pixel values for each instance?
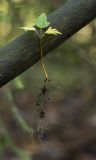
(23, 52)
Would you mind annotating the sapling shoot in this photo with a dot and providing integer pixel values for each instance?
(41, 28)
(42, 23)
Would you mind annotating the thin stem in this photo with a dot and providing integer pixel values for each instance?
(42, 61)
(37, 33)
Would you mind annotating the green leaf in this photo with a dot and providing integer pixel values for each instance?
(52, 31)
(42, 21)
(28, 28)
(18, 83)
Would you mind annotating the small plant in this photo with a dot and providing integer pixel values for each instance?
(42, 23)
(42, 28)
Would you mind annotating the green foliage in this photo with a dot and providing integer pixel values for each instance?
(28, 28)
(18, 83)
(42, 22)
(21, 121)
(6, 142)
(22, 154)
(52, 31)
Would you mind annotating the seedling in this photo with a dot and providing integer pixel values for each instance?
(41, 25)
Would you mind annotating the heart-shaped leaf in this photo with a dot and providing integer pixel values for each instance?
(42, 21)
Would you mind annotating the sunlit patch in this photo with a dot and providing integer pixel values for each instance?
(5, 28)
(84, 35)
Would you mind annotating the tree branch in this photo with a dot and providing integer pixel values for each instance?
(23, 52)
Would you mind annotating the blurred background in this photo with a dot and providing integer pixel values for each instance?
(68, 130)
